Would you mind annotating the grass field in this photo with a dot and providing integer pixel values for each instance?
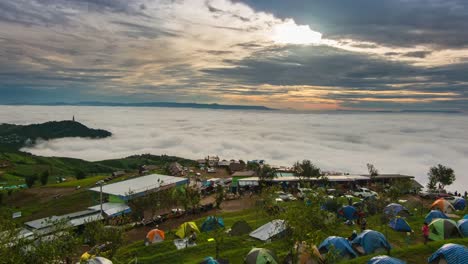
(410, 249)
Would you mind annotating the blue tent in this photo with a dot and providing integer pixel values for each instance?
(434, 214)
(340, 244)
(451, 253)
(399, 224)
(370, 241)
(463, 226)
(385, 260)
(211, 223)
(209, 260)
(466, 216)
(348, 212)
(394, 209)
(459, 203)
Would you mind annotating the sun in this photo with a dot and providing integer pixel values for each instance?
(291, 33)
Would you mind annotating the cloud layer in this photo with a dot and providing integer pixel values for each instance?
(395, 143)
(300, 54)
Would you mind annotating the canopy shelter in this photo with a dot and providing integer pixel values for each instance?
(399, 224)
(186, 229)
(269, 230)
(385, 260)
(463, 227)
(441, 229)
(348, 212)
(339, 244)
(371, 241)
(443, 205)
(155, 236)
(434, 214)
(459, 203)
(240, 228)
(99, 260)
(211, 223)
(261, 256)
(395, 209)
(449, 254)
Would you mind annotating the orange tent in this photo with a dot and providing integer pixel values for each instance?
(443, 205)
(155, 236)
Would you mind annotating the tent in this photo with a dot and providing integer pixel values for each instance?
(209, 260)
(463, 227)
(395, 209)
(348, 212)
(99, 260)
(441, 229)
(371, 241)
(269, 230)
(261, 256)
(211, 223)
(155, 236)
(443, 205)
(399, 224)
(449, 254)
(186, 228)
(434, 214)
(459, 203)
(340, 244)
(466, 216)
(240, 228)
(385, 260)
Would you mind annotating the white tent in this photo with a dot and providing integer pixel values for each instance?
(269, 230)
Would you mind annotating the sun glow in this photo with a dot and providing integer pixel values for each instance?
(291, 33)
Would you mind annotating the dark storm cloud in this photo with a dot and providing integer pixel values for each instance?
(442, 23)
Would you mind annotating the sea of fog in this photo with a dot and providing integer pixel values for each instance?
(395, 143)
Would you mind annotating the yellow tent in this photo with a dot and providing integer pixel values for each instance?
(186, 228)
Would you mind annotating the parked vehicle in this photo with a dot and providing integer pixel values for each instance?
(284, 197)
(434, 195)
(364, 193)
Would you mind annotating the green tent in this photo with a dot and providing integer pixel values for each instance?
(441, 229)
(186, 228)
(240, 228)
(261, 256)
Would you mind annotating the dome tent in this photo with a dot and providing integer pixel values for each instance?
(395, 209)
(339, 244)
(261, 256)
(211, 223)
(371, 241)
(385, 260)
(449, 254)
(434, 214)
(441, 229)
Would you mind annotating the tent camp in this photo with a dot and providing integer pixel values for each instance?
(240, 228)
(434, 214)
(370, 241)
(385, 260)
(449, 254)
(441, 229)
(186, 228)
(348, 212)
(155, 236)
(463, 227)
(339, 244)
(211, 223)
(269, 230)
(395, 209)
(459, 203)
(261, 256)
(99, 260)
(399, 224)
(443, 205)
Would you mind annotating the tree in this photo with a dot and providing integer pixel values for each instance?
(432, 184)
(95, 233)
(30, 180)
(44, 177)
(219, 196)
(306, 170)
(373, 172)
(442, 175)
(79, 174)
(265, 172)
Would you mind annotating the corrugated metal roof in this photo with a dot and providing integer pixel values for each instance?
(112, 209)
(140, 185)
(50, 221)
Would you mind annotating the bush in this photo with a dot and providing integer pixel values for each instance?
(79, 174)
(30, 180)
(44, 177)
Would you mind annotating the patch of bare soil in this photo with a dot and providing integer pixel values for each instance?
(41, 195)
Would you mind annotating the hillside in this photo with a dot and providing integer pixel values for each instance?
(17, 136)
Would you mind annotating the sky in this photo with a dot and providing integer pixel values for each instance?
(295, 54)
(406, 143)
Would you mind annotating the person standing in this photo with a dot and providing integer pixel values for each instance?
(425, 232)
(363, 224)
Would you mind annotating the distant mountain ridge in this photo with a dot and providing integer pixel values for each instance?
(160, 104)
(17, 136)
